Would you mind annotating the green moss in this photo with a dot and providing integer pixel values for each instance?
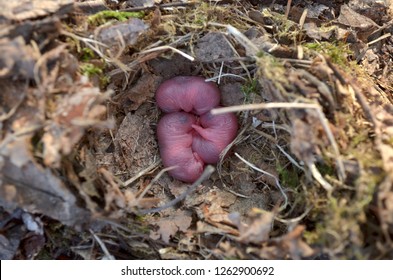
(286, 29)
(359, 138)
(288, 177)
(337, 51)
(327, 169)
(87, 54)
(105, 16)
(104, 81)
(272, 69)
(89, 69)
(249, 89)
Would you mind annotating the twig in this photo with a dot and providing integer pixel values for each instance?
(143, 58)
(102, 245)
(303, 18)
(270, 175)
(276, 126)
(152, 182)
(9, 114)
(384, 36)
(239, 36)
(261, 106)
(206, 174)
(219, 74)
(288, 8)
(242, 39)
(141, 173)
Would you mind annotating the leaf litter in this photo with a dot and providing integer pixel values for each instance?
(308, 177)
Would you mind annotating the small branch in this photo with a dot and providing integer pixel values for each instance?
(288, 9)
(141, 173)
(102, 245)
(205, 175)
(155, 179)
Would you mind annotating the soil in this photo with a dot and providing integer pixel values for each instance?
(309, 176)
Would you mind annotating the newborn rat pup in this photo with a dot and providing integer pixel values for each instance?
(189, 136)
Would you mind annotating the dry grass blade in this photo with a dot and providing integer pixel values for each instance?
(141, 173)
(270, 175)
(290, 158)
(285, 105)
(161, 48)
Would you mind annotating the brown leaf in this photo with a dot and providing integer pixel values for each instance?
(363, 25)
(314, 32)
(257, 229)
(213, 209)
(74, 112)
(123, 32)
(19, 59)
(37, 190)
(213, 46)
(290, 246)
(170, 225)
(375, 10)
(11, 234)
(143, 90)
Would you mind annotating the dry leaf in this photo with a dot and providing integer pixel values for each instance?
(257, 228)
(20, 58)
(37, 190)
(289, 246)
(169, 226)
(213, 46)
(122, 33)
(143, 90)
(364, 26)
(74, 112)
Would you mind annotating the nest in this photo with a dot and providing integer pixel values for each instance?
(308, 176)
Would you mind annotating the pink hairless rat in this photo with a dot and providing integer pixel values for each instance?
(188, 135)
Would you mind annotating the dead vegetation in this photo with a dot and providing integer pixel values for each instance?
(309, 175)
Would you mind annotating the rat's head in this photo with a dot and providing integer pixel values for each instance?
(189, 94)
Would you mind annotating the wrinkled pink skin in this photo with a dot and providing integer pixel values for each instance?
(189, 140)
(175, 136)
(214, 133)
(188, 94)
